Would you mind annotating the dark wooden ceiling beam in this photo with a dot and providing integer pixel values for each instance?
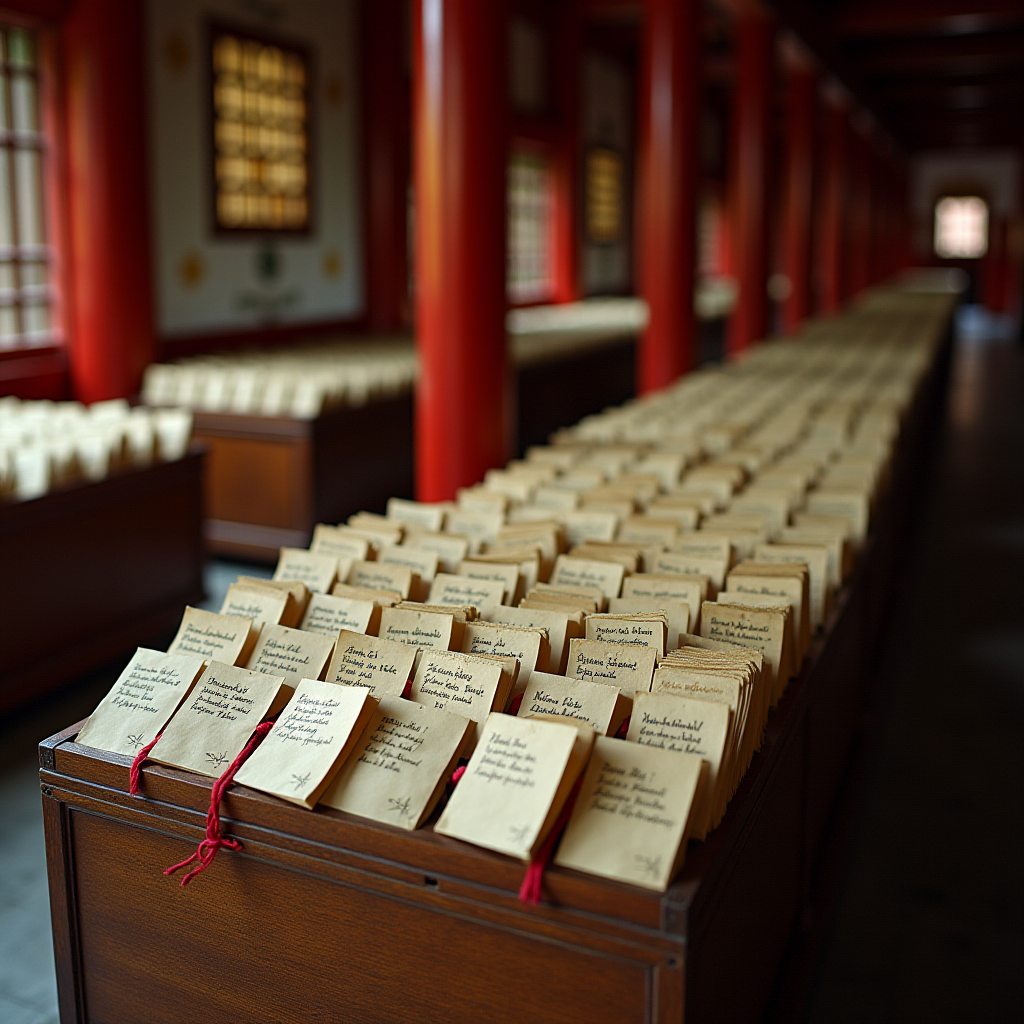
(867, 18)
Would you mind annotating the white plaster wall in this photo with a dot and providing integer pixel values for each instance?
(228, 293)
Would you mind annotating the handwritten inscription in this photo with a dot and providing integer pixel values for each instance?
(506, 761)
(671, 732)
(631, 793)
(215, 698)
(395, 745)
(307, 722)
(207, 641)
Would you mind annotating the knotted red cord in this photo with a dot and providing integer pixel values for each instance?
(530, 890)
(458, 773)
(214, 840)
(136, 770)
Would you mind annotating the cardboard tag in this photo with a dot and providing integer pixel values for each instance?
(292, 653)
(262, 606)
(308, 744)
(399, 768)
(417, 513)
(694, 565)
(561, 627)
(218, 717)
(378, 576)
(584, 572)
(529, 646)
(339, 542)
(318, 572)
(625, 666)
(418, 629)
(421, 561)
(597, 704)
(639, 630)
(630, 819)
(140, 703)
(328, 614)
(214, 637)
(692, 591)
(383, 666)
(484, 595)
(507, 573)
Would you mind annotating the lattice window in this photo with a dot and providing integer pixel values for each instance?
(529, 228)
(961, 227)
(604, 191)
(26, 264)
(260, 135)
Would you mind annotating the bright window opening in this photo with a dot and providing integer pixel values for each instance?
(260, 135)
(26, 286)
(529, 229)
(961, 227)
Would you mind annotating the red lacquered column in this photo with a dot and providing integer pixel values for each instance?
(755, 60)
(860, 208)
(669, 111)
(385, 100)
(801, 110)
(112, 330)
(460, 139)
(566, 170)
(833, 211)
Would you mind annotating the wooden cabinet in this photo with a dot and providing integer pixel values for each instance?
(93, 570)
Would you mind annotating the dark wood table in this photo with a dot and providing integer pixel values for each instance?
(92, 570)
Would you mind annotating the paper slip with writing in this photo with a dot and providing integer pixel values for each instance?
(214, 637)
(591, 599)
(421, 561)
(399, 768)
(685, 513)
(760, 628)
(627, 555)
(790, 658)
(464, 684)
(378, 576)
(296, 591)
(854, 505)
(675, 613)
(750, 578)
(262, 606)
(688, 727)
(630, 819)
(484, 595)
(339, 542)
(647, 530)
(628, 667)
(815, 557)
(598, 704)
(642, 630)
(528, 561)
(516, 783)
(385, 598)
(218, 717)
(309, 743)
(450, 549)
(139, 704)
(584, 572)
(507, 573)
(691, 591)
(834, 542)
(293, 653)
(418, 629)
(481, 526)
(379, 529)
(318, 572)
(383, 666)
(425, 515)
(693, 565)
(703, 544)
(328, 614)
(528, 645)
(561, 627)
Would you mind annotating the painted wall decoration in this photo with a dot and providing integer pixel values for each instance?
(207, 281)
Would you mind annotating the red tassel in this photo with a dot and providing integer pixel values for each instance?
(136, 769)
(407, 692)
(517, 703)
(214, 840)
(620, 733)
(458, 773)
(530, 890)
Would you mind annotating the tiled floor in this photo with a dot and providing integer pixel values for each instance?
(928, 924)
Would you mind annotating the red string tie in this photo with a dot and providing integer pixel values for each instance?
(136, 769)
(517, 703)
(213, 842)
(530, 890)
(458, 773)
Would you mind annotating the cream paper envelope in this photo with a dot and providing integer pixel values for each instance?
(383, 666)
(815, 557)
(214, 637)
(399, 768)
(293, 653)
(515, 784)
(507, 573)
(628, 667)
(585, 572)
(218, 717)
(318, 572)
(141, 702)
(640, 630)
(339, 542)
(527, 645)
(484, 595)
(308, 744)
(692, 591)
(693, 565)
(630, 819)
(425, 515)
(418, 629)
(462, 684)
(676, 613)
(561, 627)
(375, 576)
(687, 727)
(450, 549)
(328, 614)
(598, 704)
(262, 606)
